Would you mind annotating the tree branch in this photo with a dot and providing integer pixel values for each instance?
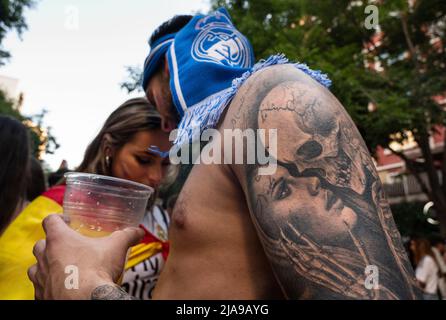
(410, 165)
(412, 50)
(423, 144)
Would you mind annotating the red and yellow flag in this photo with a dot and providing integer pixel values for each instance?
(17, 242)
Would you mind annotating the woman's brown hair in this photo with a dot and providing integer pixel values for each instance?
(14, 165)
(422, 249)
(131, 117)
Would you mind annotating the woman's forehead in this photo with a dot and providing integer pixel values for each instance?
(149, 137)
(143, 140)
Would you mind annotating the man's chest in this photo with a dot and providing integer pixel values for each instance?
(210, 196)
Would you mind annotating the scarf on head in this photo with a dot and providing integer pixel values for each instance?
(209, 59)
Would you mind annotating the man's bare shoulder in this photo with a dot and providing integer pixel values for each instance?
(278, 72)
(321, 215)
(261, 83)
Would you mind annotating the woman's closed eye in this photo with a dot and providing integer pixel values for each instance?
(281, 189)
(144, 160)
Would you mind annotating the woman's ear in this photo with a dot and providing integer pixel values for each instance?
(107, 147)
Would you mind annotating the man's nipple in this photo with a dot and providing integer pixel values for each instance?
(179, 214)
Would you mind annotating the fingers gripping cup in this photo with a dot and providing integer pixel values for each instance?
(97, 205)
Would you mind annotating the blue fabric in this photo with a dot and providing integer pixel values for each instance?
(156, 150)
(158, 50)
(207, 54)
(204, 58)
(207, 112)
(209, 59)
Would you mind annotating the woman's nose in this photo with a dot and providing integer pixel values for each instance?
(155, 177)
(314, 186)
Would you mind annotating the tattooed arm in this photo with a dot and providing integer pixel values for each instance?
(110, 292)
(322, 216)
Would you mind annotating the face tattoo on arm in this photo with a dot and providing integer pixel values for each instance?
(322, 216)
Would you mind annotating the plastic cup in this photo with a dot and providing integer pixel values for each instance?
(98, 205)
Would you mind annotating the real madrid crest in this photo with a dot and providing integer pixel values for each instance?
(219, 42)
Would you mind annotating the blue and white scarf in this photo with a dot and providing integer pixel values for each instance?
(209, 59)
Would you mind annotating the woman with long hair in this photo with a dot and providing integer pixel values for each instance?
(426, 270)
(14, 163)
(123, 148)
(35, 184)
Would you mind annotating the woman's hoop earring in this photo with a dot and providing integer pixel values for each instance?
(107, 161)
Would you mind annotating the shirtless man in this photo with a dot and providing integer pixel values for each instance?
(314, 229)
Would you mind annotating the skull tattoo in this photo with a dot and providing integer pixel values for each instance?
(320, 140)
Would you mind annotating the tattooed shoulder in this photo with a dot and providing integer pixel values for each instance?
(322, 216)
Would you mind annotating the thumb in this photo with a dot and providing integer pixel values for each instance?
(128, 237)
(54, 224)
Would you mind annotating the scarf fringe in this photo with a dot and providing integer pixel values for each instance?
(206, 114)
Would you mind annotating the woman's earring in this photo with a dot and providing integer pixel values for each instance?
(107, 161)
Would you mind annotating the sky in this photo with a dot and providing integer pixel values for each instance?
(72, 59)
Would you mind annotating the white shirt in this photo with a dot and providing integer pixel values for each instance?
(140, 280)
(427, 272)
